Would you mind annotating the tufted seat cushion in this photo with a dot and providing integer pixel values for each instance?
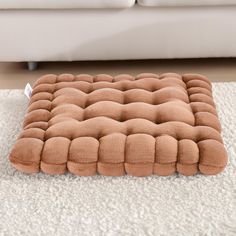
(141, 125)
(64, 4)
(173, 3)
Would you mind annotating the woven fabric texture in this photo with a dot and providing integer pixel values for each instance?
(140, 126)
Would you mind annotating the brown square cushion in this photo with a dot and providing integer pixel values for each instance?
(141, 125)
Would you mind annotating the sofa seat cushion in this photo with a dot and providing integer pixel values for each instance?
(171, 3)
(64, 4)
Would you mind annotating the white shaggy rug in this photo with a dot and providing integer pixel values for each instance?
(68, 205)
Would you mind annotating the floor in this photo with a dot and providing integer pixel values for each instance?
(98, 205)
(16, 75)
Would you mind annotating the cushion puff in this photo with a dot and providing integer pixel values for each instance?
(140, 126)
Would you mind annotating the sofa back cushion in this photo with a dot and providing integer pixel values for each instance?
(171, 3)
(64, 4)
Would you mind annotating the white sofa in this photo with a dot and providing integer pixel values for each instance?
(69, 30)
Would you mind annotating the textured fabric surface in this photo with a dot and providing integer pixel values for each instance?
(41, 204)
(143, 125)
